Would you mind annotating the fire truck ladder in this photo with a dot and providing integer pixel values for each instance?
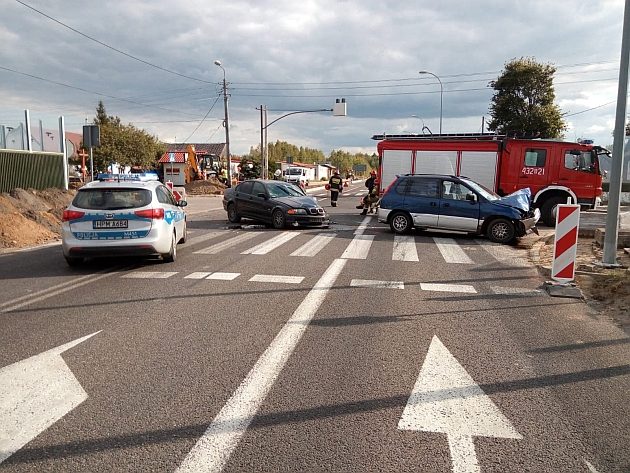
(443, 136)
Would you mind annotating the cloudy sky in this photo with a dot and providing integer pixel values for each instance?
(152, 63)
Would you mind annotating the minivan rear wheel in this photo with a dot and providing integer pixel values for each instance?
(400, 223)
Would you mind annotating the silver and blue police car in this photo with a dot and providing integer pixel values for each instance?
(123, 215)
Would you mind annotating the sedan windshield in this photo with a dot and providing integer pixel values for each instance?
(481, 190)
(284, 190)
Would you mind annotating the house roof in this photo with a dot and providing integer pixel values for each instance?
(180, 150)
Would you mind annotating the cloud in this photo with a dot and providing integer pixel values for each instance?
(301, 56)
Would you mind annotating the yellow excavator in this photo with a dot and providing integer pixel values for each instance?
(192, 172)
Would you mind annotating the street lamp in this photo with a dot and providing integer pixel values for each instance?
(227, 126)
(424, 127)
(441, 94)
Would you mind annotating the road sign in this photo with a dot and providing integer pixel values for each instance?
(446, 399)
(34, 394)
(565, 243)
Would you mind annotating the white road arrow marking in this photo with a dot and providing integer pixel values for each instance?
(446, 399)
(34, 394)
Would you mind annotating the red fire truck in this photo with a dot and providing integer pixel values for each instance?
(553, 170)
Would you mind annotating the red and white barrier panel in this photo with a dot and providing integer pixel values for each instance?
(565, 244)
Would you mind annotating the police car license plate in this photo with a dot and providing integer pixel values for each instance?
(110, 224)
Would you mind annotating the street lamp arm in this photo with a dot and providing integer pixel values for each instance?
(293, 113)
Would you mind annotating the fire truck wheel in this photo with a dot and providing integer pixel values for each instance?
(400, 223)
(501, 230)
(232, 214)
(548, 210)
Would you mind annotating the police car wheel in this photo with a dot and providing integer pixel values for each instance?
(184, 236)
(171, 256)
(400, 223)
(501, 231)
(73, 261)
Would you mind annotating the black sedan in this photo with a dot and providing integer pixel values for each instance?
(273, 202)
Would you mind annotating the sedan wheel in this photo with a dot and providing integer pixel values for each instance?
(501, 231)
(400, 223)
(277, 219)
(233, 216)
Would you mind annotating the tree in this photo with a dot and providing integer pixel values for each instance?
(523, 104)
(124, 144)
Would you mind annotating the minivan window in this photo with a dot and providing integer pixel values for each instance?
(424, 188)
(481, 190)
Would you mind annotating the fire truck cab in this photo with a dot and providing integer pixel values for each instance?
(553, 170)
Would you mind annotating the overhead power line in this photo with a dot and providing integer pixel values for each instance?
(111, 47)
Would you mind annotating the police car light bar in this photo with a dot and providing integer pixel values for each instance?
(135, 177)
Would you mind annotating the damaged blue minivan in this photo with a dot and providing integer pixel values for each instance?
(456, 203)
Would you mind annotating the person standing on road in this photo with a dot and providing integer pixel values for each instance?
(336, 185)
(369, 182)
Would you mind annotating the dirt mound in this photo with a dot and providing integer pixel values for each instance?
(30, 217)
(209, 187)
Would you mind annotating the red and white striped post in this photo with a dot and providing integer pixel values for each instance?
(565, 243)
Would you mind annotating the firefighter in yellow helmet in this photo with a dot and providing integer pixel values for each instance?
(336, 185)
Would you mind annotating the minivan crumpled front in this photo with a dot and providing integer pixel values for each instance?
(521, 200)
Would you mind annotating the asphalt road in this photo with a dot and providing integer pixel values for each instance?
(341, 349)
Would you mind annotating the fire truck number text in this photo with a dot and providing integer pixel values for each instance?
(535, 171)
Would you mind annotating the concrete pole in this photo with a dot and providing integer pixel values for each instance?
(27, 118)
(63, 148)
(227, 132)
(609, 257)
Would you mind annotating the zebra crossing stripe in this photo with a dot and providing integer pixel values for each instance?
(217, 248)
(519, 291)
(200, 238)
(448, 288)
(405, 249)
(197, 275)
(315, 245)
(359, 247)
(277, 278)
(377, 284)
(223, 276)
(271, 244)
(150, 274)
(451, 251)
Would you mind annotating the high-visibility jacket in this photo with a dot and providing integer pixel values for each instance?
(336, 183)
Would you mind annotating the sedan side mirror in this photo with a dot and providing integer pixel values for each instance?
(182, 203)
(471, 197)
(262, 195)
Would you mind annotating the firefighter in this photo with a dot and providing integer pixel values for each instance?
(336, 185)
(369, 182)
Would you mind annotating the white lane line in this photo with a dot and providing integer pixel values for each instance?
(358, 194)
(363, 225)
(277, 278)
(404, 249)
(217, 248)
(590, 467)
(213, 449)
(521, 291)
(448, 288)
(504, 254)
(379, 284)
(42, 291)
(271, 244)
(150, 275)
(359, 247)
(451, 251)
(200, 238)
(64, 287)
(315, 245)
(224, 276)
(197, 275)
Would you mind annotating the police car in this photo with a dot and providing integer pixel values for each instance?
(124, 215)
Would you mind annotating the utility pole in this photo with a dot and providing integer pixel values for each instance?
(614, 191)
(226, 123)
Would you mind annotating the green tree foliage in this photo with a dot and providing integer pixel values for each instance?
(523, 104)
(124, 144)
